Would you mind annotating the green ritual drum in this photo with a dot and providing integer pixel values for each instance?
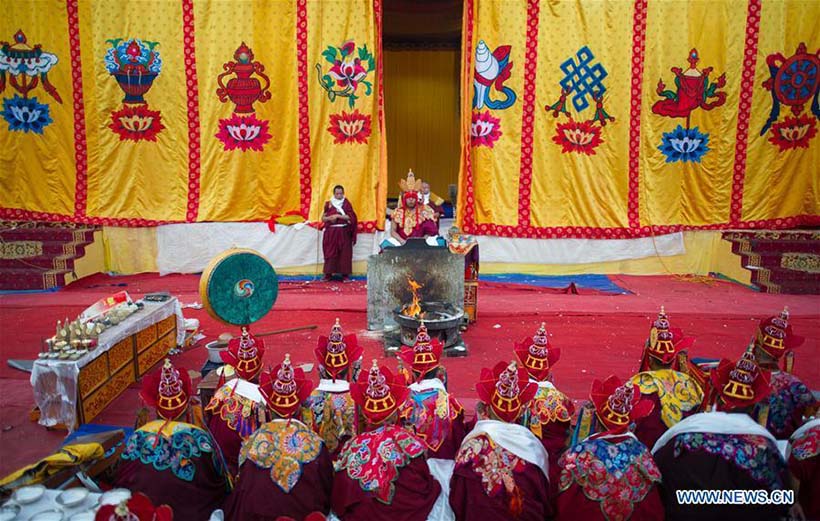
(239, 287)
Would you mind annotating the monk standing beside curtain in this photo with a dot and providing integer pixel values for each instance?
(340, 222)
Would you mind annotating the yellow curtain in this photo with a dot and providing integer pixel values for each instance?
(347, 137)
(262, 179)
(594, 179)
(782, 167)
(37, 168)
(127, 178)
(191, 110)
(696, 191)
(422, 116)
(619, 119)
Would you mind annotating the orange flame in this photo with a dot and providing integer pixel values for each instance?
(411, 310)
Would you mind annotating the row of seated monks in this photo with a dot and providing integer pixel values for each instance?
(376, 445)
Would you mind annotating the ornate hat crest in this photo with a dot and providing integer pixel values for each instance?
(411, 184)
(537, 355)
(740, 384)
(425, 354)
(337, 351)
(775, 337)
(506, 389)
(168, 390)
(245, 354)
(378, 394)
(285, 388)
(617, 405)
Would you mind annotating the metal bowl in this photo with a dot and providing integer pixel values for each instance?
(213, 351)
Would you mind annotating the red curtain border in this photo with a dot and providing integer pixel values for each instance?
(638, 53)
(745, 109)
(80, 144)
(189, 50)
(304, 109)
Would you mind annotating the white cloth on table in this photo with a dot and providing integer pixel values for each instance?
(55, 382)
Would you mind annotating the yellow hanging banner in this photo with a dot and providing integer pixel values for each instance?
(343, 83)
(782, 178)
(135, 109)
(37, 166)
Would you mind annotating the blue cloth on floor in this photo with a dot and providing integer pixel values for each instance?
(597, 282)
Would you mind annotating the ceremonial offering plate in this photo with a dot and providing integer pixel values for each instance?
(27, 495)
(9, 511)
(239, 287)
(115, 496)
(48, 515)
(72, 497)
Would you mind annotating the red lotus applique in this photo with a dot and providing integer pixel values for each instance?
(136, 123)
(484, 129)
(793, 132)
(243, 132)
(578, 136)
(349, 127)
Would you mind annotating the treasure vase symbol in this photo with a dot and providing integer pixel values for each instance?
(350, 66)
(243, 131)
(693, 91)
(583, 85)
(492, 70)
(24, 68)
(793, 82)
(134, 64)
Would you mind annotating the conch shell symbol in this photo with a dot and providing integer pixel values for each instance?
(492, 68)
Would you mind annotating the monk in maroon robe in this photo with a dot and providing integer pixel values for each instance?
(237, 409)
(393, 482)
(171, 461)
(432, 413)
(790, 399)
(432, 200)
(675, 394)
(339, 222)
(608, 474)
(285, 468)
(724, 450)
(329, 410)
(502, 469)
(804, 464)
(412, 219)
(549, 413)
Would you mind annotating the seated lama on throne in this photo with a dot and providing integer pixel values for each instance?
(413, 218)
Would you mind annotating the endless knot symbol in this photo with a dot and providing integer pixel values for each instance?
(582, 79)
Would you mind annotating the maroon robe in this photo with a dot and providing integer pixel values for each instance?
(590, 491)
(406, 491)
(420, 222)
(183, 469)
(708, 461)
(469, 496)
(338, 240)
(804, 465)
(233, 417)
(257, 497)
(442, 436)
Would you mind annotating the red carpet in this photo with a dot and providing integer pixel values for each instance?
(599, 334)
